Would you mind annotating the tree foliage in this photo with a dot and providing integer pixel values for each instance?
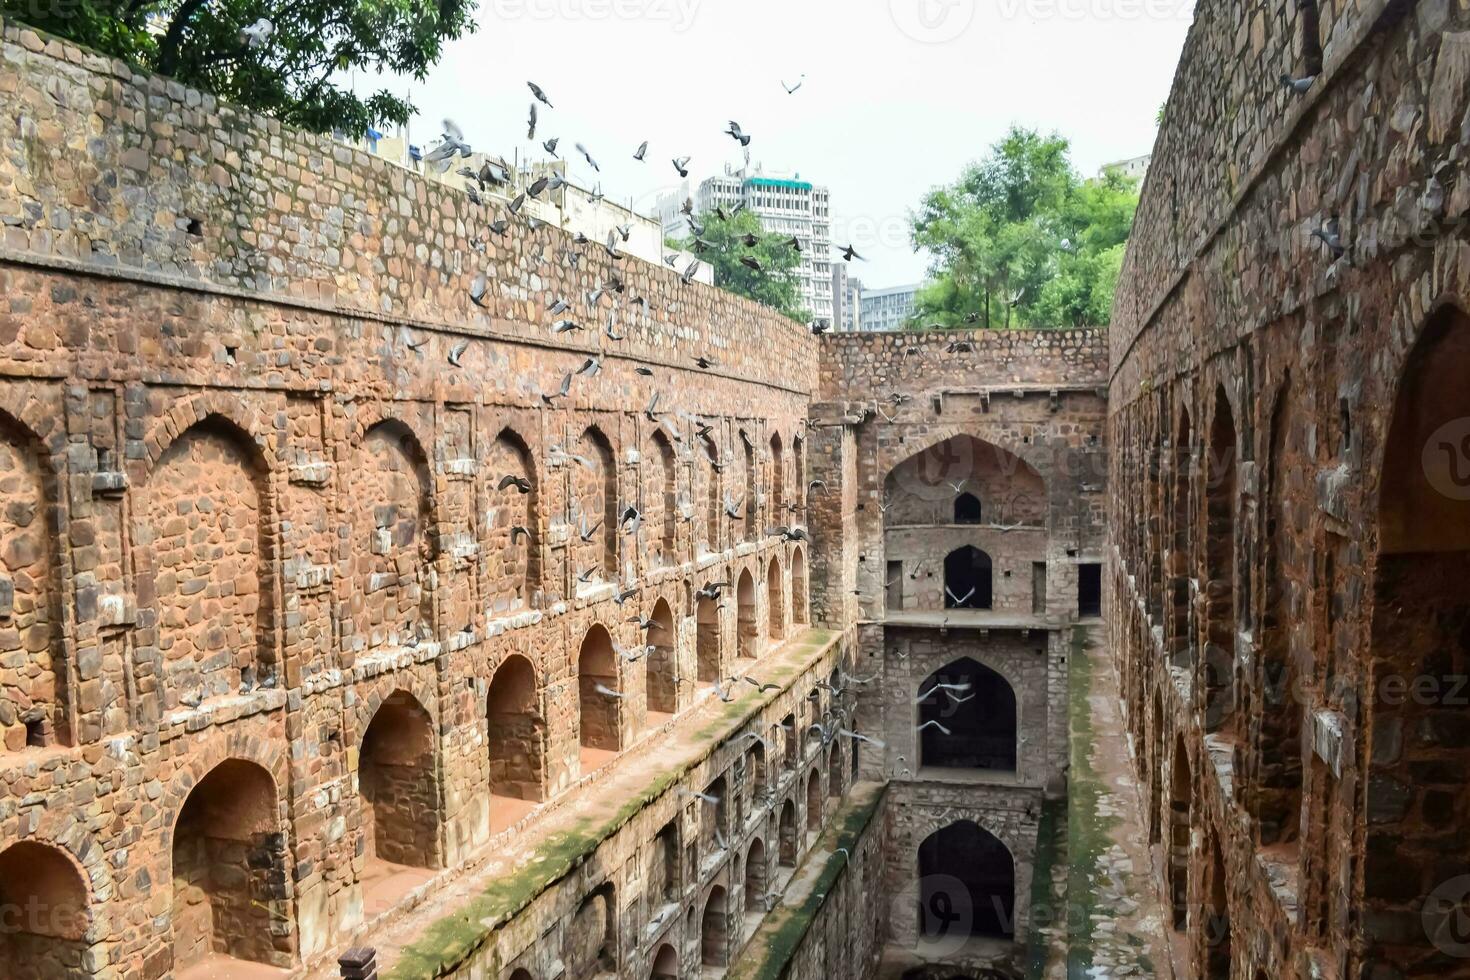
(723, 245)
(1021, 240)
(295, 75)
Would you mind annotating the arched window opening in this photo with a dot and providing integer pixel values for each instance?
(967, 884)
(516, 739)
(814, 802)
(665, 964)
(775, 601)
(1181, 798)
(748, 624)
(1219, 589)
(399, 786)
(230, 870)
(44, 897)
(514, 554)
(714, 930)
(787, 833)
(599, 699)
(663, 665)
(967, 509)
(707, 639)
(970, 722)
(967, 579)
(755, 879)
(798, 588)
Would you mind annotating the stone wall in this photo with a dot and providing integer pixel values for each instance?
(1286, 564)
(269, 471)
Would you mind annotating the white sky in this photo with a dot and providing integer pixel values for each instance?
(899, 94)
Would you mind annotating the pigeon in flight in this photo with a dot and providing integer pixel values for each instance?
(457, 351)
(792, 89)
(562, 392)
(511, 480)
(1330, 234)
(607, 692)
(550, 145)
(540, 95)
(932, 723)
(453, 142)
(681, 164)
(849, 253)
(751, 262)
(588, 156)
(736, 133)
(641, 152)
(531, 126)
(477, 290)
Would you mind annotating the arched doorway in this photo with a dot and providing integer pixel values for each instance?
(755, 879)
(595, 484)
(1216, 920)
(967, 579)
(787, 842)
(44, 900)
(665, 964)
(970, 723)
(516, 742)
(663, 665)
(707, 639)
(1180, 803)
(598, 698)
(714, 940)
(748, 626)
(775, 600)
(1420, 629)
(230, 870)
(513, 554)
(967, 884)
(798, 587)
(1219, 587)
(593, 936)
(814, 802)
(399, 783)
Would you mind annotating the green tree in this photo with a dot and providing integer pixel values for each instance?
(1021, 240)
(724, 244)
(293, 74)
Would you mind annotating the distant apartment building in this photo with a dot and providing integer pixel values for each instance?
(786, 205)
(846, 299)
(887, 309)
(1137, 167)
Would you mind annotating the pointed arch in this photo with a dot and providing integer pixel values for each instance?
(45, 898)
(714, 930)
(798, 587)
(775, 600)
(390, 490)
(979, 732)
(707, 639)
(967, 883)
(778, 480)
(1181, 634)
(398, 779)
(748, 631)
(35, 683)
(1219, 587)
(599, 695)
(750, 501)
(596, 493)
(922, 487)
(203, 554)
(513, 551)
(515, 732)
(663, 661)
(230, 868)
(709, 476)
(660, 499)
(755, 878)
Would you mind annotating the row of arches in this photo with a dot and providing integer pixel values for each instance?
(207, 572)
(1330, 549)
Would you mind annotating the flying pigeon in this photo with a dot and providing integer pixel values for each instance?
(540, 95)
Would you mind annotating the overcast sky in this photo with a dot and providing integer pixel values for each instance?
(899, 94)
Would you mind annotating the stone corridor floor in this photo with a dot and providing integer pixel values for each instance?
(1104, 917)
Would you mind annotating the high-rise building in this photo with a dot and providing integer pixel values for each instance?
(786, 205)
(887, 309)
(847, 293)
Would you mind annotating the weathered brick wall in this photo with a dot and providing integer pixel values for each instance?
(248, 499)
(1284, 550)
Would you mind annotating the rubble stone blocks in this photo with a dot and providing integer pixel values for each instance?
(1287, 561)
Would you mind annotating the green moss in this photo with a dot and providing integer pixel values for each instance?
(448, 943)
(1048, 898)
(782, 932)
